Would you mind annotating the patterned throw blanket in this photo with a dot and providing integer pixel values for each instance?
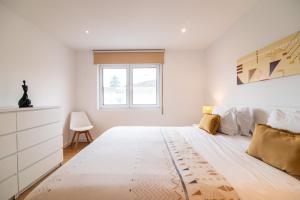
(149, 163)
(193, 178)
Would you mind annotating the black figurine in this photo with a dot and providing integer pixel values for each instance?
(24, 101)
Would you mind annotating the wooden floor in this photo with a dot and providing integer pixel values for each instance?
(69, 152)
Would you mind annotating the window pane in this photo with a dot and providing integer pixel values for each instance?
(144, 86)
(114, 86)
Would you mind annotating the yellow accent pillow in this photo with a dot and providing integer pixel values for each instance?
(210, 123)
(276, 147)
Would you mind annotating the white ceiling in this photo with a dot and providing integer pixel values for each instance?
(132, 24)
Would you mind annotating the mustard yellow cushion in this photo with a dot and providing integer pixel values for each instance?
(210, 123)
(276, 147)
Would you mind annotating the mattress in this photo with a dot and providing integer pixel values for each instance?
(166, 163)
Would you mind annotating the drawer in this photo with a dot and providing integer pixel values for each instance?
(30, 119)
(36, 171)
(34, 136)
(7, 145)
(8, 188)
(7, 123)
(38, 152)
(8, 167)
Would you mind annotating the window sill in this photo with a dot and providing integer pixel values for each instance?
(132, 109)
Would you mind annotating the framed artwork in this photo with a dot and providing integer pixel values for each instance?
(279, 59)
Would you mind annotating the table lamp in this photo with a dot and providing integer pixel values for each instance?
(207, 109)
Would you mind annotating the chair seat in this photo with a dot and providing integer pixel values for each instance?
(83, 128)
(80, 122)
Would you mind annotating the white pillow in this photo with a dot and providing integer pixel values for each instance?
(245, 121)
(228, 123)
(285, 119)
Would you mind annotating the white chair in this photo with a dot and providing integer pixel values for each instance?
(80, 124)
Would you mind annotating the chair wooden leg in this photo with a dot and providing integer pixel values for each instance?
(91, 139)
(73, 138)
(77, 138)
(87, 137)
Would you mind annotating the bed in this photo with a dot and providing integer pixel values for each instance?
(166, 163)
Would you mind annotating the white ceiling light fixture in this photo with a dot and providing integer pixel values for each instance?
(87, 32)
(183, 30)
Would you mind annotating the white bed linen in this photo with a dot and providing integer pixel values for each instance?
(251, 178)
(91, 171)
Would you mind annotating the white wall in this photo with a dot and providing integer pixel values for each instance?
(183, 97)
(269, 21)
(46, 65)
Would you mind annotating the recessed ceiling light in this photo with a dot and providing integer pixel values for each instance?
(183, 30)
(87, 32)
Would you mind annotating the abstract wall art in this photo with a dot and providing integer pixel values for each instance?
(279, 59)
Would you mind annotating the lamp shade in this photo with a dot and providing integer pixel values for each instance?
(207, 109)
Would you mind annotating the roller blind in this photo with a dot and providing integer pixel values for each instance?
(129, 57)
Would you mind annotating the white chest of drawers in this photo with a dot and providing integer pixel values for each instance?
(30, 146)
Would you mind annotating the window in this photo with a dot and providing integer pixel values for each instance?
(114, 86)
(135, 85)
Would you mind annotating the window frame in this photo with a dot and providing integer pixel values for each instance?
(129, 86)
(101, 85)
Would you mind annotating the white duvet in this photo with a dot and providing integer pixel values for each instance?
(251, 178)
(132, 163)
